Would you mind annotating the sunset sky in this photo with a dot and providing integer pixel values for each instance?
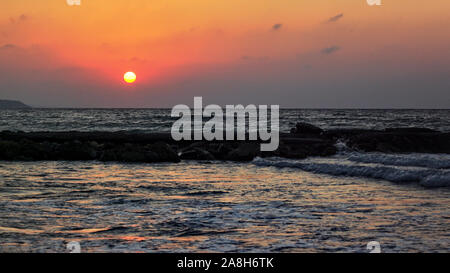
(296, 53)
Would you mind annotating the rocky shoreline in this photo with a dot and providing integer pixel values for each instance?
(303, 141)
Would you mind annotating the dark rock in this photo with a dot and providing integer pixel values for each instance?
(133, 156)
(385, 148)
(76, 150)
(157, 152)
(9, 150)
(108, 155)
(164, 151)
(345, 133)
(24, 150)
(222, 150)
(288, 151)
(245, 152)
(300, 148)
(306, 128)
(327, 150)
(196, 154)
(138, 156)
(396, 142)
(410, 130)
(32, 151)
(139, 147)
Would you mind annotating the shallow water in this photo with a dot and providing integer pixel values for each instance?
(216, 206)
(335, 204)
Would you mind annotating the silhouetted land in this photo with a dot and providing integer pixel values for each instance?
(13, 104)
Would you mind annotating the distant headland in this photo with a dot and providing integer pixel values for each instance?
(13, 104)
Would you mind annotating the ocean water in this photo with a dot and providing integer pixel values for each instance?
(159, 120)
(333, 204)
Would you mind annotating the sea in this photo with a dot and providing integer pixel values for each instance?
(331, 204)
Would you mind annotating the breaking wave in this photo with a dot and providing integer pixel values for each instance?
(439, 161)
(426, 177)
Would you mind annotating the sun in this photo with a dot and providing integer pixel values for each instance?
(129, 77)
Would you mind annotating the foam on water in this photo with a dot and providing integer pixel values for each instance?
(220, 206)
(315, 204)
(379, 167)
(435, 161)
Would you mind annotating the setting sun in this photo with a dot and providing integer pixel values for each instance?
(129, 77)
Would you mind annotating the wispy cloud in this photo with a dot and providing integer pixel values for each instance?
(8, 46)
(335, 18)
(21, 18)
(252, 58)
(277, 26)
(330, 50)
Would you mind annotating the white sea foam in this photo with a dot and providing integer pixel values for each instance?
(426, 177)
(435, 161)
(436, 180)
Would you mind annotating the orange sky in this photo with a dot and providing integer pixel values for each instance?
(169, 42)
